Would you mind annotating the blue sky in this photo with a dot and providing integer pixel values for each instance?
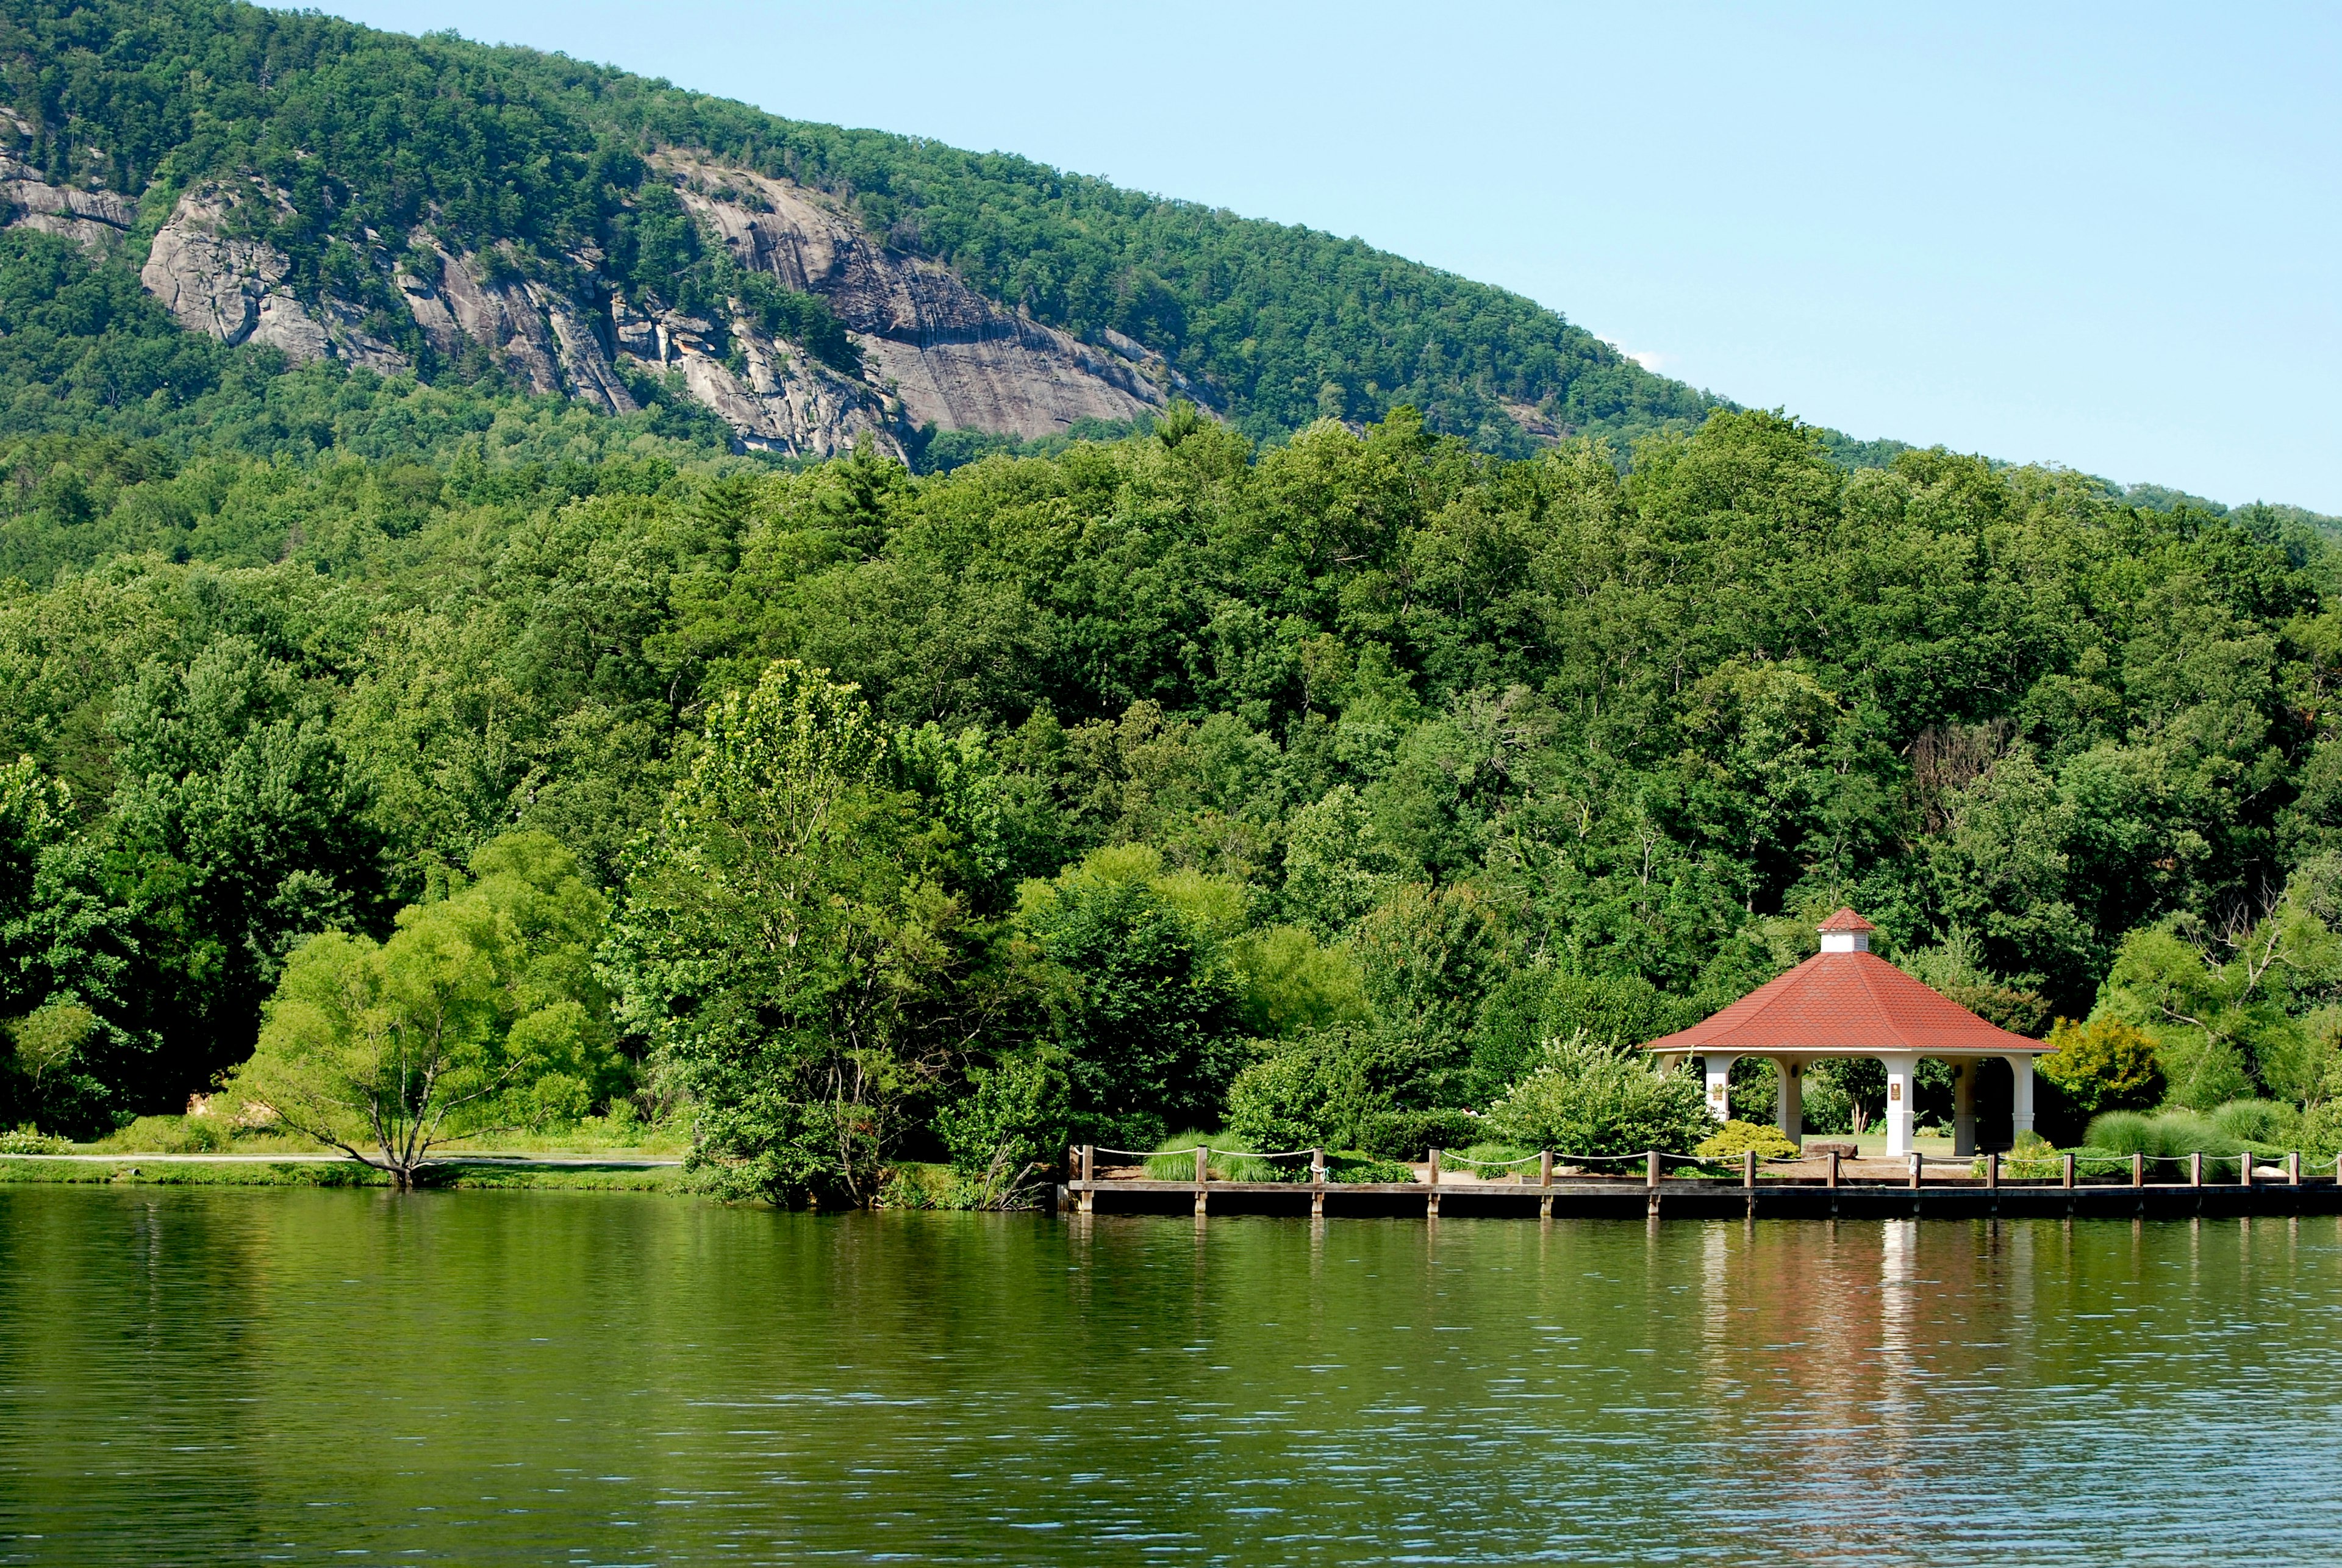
(2108, 237)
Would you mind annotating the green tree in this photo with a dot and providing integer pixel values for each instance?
(781, 937)
(481, 1014)
(2225, 1008)
(1138, 992)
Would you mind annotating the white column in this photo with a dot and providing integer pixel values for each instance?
(1902, 1074)
(1719, 1086)
(1789, 1098)
(1964, 1076)
(2021, 1121)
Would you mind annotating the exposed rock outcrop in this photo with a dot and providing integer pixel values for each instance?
(88, 216)
(950, 356)
(221, 281)
(933, 349)
(775, 395)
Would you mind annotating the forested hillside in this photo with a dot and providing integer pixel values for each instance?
(360, 136)
(1305, 766)
(1333, 777)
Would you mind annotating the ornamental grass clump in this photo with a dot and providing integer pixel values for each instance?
(2164, 1136)
(1491, 1162)
(1174, 1160)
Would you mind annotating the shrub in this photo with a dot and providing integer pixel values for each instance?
(1341, 1088)
(1356, 1168)
(28, 1140)
(1736, 1138)
(1006, 1132)
(1413, 1134)
(171, 1135)
(1286, 1101)
(2103, 1066)
(1586, 1099)
(2321, 1131)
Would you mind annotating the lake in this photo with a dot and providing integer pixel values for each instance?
(223, 1375)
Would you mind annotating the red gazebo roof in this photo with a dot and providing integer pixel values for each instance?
(1837, 1003)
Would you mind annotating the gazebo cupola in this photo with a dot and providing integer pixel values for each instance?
(1846, 932)
(1846, 1001)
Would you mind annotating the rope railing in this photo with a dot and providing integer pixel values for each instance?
(2199, 1166)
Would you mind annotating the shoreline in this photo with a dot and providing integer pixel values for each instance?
(570, 1172)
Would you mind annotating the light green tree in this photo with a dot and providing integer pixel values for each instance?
(2226, 1007)
(480, 1013)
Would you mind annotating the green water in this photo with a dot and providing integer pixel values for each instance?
(230, 1376)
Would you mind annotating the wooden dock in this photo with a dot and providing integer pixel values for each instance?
(1855, 1190)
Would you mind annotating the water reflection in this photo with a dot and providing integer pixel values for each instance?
(190, 1376)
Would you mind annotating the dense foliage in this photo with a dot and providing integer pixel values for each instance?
(370, 134)
(1169, 780)
(1335, 786)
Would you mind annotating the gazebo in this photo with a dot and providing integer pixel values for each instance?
(1846, 1001)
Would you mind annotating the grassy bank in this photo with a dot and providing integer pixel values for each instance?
(453, 1174)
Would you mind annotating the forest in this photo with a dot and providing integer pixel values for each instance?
(1337, 790)
(398, 757)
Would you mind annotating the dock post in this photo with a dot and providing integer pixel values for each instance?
(1651, 1180)
(2195, 1169)
(2138, 1170)
(2244, 1168)
(1545, 1180)
(1203, 1175)
(2293, 1169)
(1749, 1170)
(1916, 1160)
(1431, 1204)
(1832, 1167)
(1089, 1174)
(1992, 1171)
(2066, 1171)
(1316, 1183)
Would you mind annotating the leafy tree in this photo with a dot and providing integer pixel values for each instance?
(780, 929)
(236, 831)
(1138, 995)
(2225, 1009)
(480, 1013)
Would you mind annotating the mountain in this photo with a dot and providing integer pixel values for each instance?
(433, 206)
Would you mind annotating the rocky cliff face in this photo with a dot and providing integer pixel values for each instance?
(208, 272)
(89, 217)
(933, 351)
(952, 356)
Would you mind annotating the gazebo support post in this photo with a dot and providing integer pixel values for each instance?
(2021, 1104)
(1719, 1084)
(1902, 1074)
(1963, 1077)
(1789, 1098)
